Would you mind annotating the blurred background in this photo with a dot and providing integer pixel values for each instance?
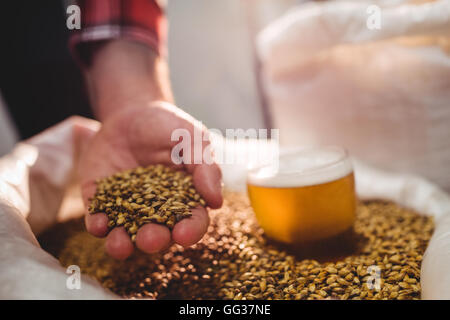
(211, 61)
(316, 70)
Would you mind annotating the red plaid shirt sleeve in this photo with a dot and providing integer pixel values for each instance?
(102, 20)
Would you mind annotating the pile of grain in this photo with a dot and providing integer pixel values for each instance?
(235, 261)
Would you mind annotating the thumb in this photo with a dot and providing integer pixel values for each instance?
(207, 180)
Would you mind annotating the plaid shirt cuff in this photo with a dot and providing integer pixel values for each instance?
(103, 20)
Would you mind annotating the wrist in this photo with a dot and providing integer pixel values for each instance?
(126, 73)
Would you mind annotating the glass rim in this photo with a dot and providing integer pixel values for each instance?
(342, 157)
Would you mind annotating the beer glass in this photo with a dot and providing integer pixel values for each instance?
(308, 195)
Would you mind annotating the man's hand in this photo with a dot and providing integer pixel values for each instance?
(140, 136)
(127, 82)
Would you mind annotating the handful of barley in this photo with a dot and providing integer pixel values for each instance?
(134, 197)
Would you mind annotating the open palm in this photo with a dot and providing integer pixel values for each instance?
(140, 136)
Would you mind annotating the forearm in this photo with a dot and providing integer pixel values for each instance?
(126, 73)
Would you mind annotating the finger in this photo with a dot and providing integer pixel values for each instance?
(118, 244)
(153, 238)
(88, 191)
(97, 224)
(207, 180)
(190, 230)
(207, 177)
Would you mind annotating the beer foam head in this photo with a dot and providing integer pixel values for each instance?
(303, 167)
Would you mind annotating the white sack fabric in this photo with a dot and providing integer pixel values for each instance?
(33, 179)
(383, 94)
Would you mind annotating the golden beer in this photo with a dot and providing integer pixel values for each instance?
(311, 195)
